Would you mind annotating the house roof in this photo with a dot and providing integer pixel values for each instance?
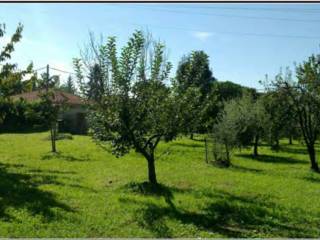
(59, 97)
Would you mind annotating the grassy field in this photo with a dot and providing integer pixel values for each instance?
(84, 191)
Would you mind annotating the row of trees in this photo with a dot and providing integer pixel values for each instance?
(134, 104)
(288, 108)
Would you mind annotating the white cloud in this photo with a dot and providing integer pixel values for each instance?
(202, 36)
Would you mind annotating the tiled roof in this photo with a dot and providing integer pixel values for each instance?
(59, 97)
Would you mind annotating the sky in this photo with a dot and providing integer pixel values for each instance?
(244, 41)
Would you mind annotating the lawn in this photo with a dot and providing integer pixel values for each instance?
(84, 191)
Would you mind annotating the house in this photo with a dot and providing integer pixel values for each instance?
(73, 116)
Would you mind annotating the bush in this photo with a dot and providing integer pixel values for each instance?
(20, 116)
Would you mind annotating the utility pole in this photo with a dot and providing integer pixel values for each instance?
(48, 77)
(53, 123)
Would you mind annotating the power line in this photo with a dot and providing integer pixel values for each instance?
(38, 69)
(56, 69)
(227, 16)
(59, 70)
(297, 10)
(231, 33)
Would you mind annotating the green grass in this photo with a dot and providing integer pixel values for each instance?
(84, 191)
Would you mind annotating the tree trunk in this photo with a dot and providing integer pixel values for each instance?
(277, 143)
(255, 147)
(53, 137)
(191, 136)
(312, 156)
(290, 140)
(152, 170)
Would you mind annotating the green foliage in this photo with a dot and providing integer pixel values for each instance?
(11, 78)
(137, 109)
(190, 110)
(226, 90)
(194, 71)
(304, 98)
(242, 121)
(69, 86)
(21, 116)
(192, 86)
(282, 117)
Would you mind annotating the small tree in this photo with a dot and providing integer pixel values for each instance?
(243, 122)
(137, 109)
(49, 112)
(224, 136)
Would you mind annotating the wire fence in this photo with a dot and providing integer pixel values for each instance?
(216, 153)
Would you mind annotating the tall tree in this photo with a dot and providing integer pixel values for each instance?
(69, 86)
(194, 71)
(281, 115)
(304, 97)
(137, 110)
(192, 85)
(96, 83)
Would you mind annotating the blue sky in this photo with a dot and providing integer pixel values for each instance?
(244, 41)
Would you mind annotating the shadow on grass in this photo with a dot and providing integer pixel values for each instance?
(313, 179)
(226, 214)
(64, 157)
(272, 159)
(245, 169)
(193, 145)
(146, 188)
(293, 150)
(51, 171)
(20, 191)
(49, 177)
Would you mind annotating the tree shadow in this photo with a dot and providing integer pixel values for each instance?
(48, 177)
(51, 171)
(194, 145)
(64, 157)
(146, 188)
(272, 159)
(226, 214)
(293, 150)
(20, 191)
(312, 179)
(245, 169)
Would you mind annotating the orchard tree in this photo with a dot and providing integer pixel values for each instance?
(225, 133)
(281, 115)
(248, 117)
(137, 109)
(49, 110)
(304, 98)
